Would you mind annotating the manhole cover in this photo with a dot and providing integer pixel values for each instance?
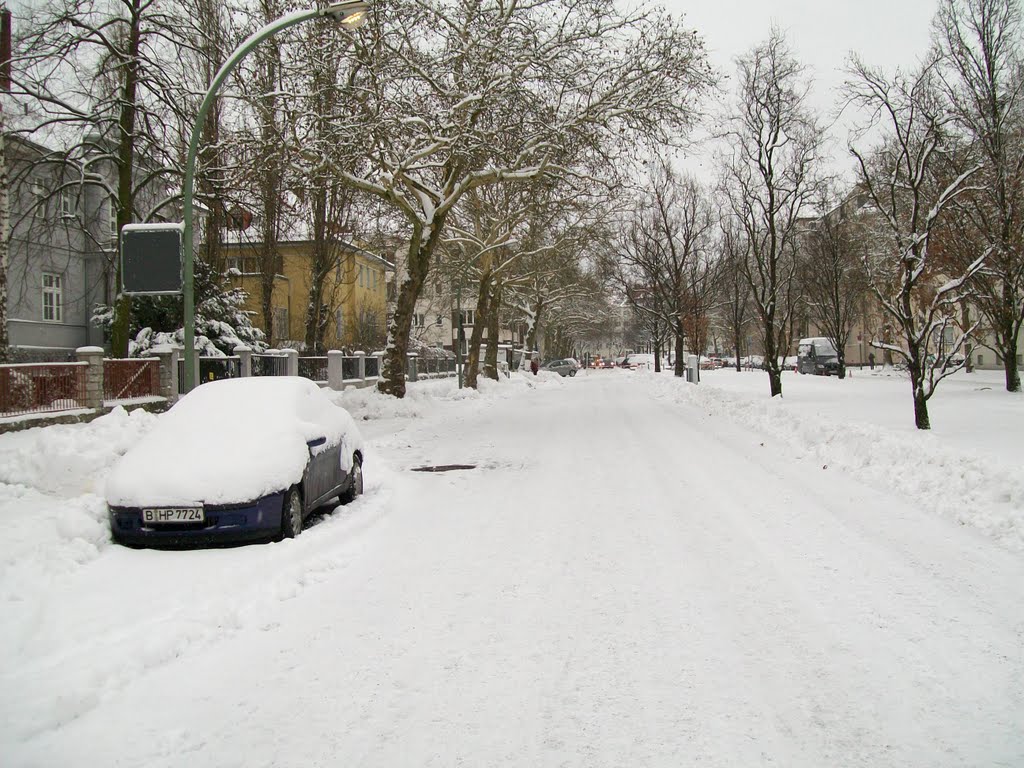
(444, 468)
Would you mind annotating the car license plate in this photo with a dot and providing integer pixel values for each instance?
(174, 515)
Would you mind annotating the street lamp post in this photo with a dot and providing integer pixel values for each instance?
(350, 14)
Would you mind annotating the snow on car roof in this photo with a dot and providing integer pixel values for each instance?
(231, 441)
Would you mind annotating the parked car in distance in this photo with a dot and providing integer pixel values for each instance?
(638, 360)
(563, 367)
(235, 460)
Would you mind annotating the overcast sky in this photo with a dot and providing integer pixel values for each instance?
(888, 33)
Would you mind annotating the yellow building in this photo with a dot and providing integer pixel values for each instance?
(353, 299)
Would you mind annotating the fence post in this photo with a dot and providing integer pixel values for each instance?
(411, 366)
(168, 357)
(93, 356)
(244, 360)
(292, 364)
(361, 362)
(380, 363)
(336, 369)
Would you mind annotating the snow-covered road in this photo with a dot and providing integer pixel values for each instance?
(621, 581)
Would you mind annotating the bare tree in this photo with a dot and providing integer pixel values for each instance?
(445, 113)
(832, 275)
(5, 212)
(643, 271)
(767, 180)
(105, 86)
(733, 287)
(325, 77)
(983, 79)
(901, 182)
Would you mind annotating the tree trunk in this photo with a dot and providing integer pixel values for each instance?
(531, 335)
(267, 283)
(315, 320)
(920, 401)
(771, 363)
(476, 337)
(841, 360)
(421, 253)
(125, 171)
(680, 365)
(771, 356)
(493, 310)
(1009, 354)
(5, 216)
(736, 341)
(968, 345)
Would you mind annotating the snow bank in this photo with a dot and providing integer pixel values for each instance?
(423, 397)
(972, 488)
(71, 459)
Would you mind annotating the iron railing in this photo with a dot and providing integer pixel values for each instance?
(42, 388)
(124, 379)
(269, 365)
(314, 368)
(372, 366)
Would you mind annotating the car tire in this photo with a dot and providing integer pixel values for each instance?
(572, 373)
(355, 488)
(291, 514)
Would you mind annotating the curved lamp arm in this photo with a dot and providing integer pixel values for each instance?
(351, 14)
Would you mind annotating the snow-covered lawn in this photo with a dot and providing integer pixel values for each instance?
(638, 572)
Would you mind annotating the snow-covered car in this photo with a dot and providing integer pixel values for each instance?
(566, 367)
(235, 460)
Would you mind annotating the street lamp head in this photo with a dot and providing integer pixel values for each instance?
(351, 14)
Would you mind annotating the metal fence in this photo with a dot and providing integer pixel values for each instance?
(372, 367)
(314, 368)
(436, 366)
(127, 379)
(211, 369)
(350, 368)
(46, 388)
(269, 365)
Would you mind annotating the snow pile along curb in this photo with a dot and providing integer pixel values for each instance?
(965, 486)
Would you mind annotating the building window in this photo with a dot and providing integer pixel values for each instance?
(361, 280)
(374, 272)
(53, 297)
(112, 217)
(67, 208)
(339, 323)
(418, 320)
(981, 359)
(280, 323)
(468, 316)
(440, 320)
